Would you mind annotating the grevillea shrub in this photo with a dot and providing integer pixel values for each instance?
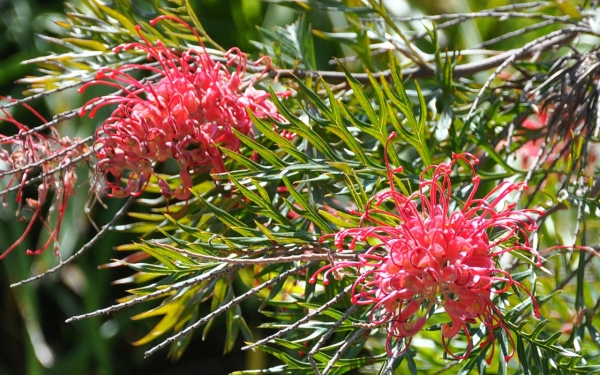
(383, 199)
(430, 250)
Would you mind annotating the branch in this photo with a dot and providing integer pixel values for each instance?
(85, 247)
(216, 272)
(225, 307)
(536, 46)
(325, 337)
(343, 348)
(308, 317)
(41, 176)
(272, 260)
(62, 152)
(463, 70)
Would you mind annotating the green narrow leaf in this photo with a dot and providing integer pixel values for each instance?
(220, 292)
(311, 213)
(198, 25)
(285, 145)
(359, 94)
(420, 128)
(166, 252)
(341, 130)
(232, 324)
(229, 220)
(336, 123)
(523, 358)
(412, 366)
(123, 21)
(306, 42)
(399, 98)
(302, 129)
(263, 203)
(249, 164)
(594, 334)
(264, 152)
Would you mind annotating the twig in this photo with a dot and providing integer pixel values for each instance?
(557, 38)
(85, 247)
(48, 159)
(513, 34)
(570, 277)
(309, 316)
(484, 14)
(216, 272)
(276, 260)
(226, 307)
(342, 349)
(41, 176)
(326, 337)
(72, 85)
(68, 114)
(538, 45)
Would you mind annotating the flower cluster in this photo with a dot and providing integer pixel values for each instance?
(185, 116)
(430, 251)
(47, 159)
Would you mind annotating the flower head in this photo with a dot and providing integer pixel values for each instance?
(184, 114)
(431, 251)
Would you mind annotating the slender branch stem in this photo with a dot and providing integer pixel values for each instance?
(503, 59)
(326, 337)
(58, 154)
(308, 317)
(85, 247)
(225, 307)
(275, 260)
(41, 176)
(343, 348)
(484, 14)
(536, 46)
(216, 272)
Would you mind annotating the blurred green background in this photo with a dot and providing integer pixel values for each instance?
(33, 336)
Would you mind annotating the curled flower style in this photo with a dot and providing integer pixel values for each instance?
(48, 160)
(185, 116)
(430, 251)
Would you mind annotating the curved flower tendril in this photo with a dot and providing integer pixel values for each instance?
(433, 251)
(28, 154)
(185, 116)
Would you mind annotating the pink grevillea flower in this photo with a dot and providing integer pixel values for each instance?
(185, 116)
(428, 251)
(551, 149)
(530, 150)
(47, 160)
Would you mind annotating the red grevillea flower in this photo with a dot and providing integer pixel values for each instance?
(50, 159)
(185, 116)
(429, 251)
